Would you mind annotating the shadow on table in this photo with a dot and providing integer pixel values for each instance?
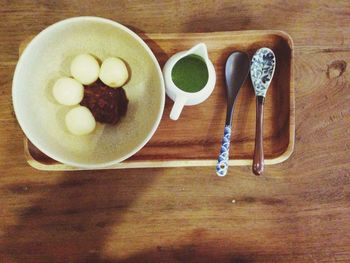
(238, 17)
(70, 221)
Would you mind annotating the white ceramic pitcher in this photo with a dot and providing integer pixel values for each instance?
(180, 97)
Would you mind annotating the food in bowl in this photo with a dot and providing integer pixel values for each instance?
(68, 91)
(107, 105)
(85, 69)
(80, 121)
(114, 72)
(47, 58)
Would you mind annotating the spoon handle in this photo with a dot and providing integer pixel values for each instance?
(258, 160)
(222, 165)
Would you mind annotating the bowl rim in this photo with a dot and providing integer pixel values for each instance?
(61, 159)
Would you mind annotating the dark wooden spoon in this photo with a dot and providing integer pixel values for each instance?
(261, 72)
(236, 71)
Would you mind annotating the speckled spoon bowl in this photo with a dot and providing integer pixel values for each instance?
(261, 72)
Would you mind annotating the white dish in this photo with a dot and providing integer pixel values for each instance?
(48, 57)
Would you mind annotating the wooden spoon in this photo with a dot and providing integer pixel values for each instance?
(261, 72)
(236, 71)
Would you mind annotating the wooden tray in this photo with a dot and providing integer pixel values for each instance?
(194, 140)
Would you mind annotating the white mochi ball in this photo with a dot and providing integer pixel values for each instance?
(85, 69)
(68, 91)
(113, 72)
(80, 121)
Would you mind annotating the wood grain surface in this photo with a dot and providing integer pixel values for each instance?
(298, 211)
(195, 139)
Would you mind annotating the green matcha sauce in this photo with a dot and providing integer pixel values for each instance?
(190, 73)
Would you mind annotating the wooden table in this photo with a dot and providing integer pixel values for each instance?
(297, 212)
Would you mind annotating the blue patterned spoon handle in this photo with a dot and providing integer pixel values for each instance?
(222, 165)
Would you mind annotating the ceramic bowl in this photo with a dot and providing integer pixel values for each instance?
(48, 56)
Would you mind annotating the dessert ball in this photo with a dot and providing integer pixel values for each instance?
(80, 121)
(68, 91)
(113, 72)
(85, 69)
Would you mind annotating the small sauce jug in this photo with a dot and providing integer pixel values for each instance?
(189, 78)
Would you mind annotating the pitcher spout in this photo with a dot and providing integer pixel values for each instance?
(200, 50)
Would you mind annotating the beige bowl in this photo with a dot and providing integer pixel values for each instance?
(48, 57)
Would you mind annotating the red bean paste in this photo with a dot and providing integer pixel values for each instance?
(107, 104)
